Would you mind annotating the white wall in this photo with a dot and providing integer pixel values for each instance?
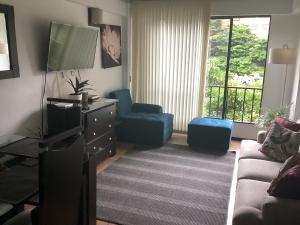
(253, 7)
(20, 97)
(295, 112)
(284, 29)
(296, 6)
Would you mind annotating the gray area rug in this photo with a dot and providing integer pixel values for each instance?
(166, 186)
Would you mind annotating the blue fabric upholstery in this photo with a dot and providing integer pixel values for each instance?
(124, 104)
(143, 123)
(210, 133)
(146, 128)
(146, 108)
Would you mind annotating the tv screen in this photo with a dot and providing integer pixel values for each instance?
(71, 47)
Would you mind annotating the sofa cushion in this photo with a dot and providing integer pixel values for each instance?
(147, 116)
(251, 193)
(249, 198)
(146, 108)
(256, 169)
(289, 163)
(247, 216)
(125, 103)
(250, 150)
(280, 142)
(281, 211)
(284, 122)
(288, 185)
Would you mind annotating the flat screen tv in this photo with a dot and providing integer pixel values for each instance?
(71, 47)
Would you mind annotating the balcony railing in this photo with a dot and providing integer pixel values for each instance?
(242, 103)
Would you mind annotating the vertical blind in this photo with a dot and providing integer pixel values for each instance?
(169, 42)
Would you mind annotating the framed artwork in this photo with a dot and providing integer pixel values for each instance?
(110, 45)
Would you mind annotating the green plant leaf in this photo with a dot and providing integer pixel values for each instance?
(77, 82)
(71, 83)
(266, 119)
(77, 85)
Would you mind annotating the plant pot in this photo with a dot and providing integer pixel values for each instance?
(76, 97)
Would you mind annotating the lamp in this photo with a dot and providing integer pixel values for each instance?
(284, 55)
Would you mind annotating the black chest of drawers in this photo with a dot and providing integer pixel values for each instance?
(97, 122)
(98, 128)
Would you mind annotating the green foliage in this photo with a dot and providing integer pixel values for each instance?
(78, 85)
(247, 57)
(266, 119)
(237, 108)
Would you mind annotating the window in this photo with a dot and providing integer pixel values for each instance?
(236, 67)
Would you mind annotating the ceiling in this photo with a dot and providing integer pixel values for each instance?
(199, 0)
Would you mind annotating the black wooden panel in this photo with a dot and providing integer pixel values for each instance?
(107, 152)
(94, 132)
(101, 143)
(102, 117)
(60, 120)
(89, 216)
(61, 185)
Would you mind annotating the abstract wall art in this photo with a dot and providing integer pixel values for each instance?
(111, 45)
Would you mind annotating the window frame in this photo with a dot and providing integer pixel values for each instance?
(231, 18)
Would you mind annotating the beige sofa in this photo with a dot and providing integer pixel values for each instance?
(253, 205)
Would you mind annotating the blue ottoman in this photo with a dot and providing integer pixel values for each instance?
(210, 133)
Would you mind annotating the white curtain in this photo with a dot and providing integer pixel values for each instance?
(169, 52)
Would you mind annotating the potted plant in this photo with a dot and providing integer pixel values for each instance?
(266, 119)
(78, 87)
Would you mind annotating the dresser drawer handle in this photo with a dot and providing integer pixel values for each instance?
(109, 125)
(95, 120)
(99, 149)
(110, 113)
(94, 134)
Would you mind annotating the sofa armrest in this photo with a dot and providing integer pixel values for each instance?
(146, 108)
(261, 136)
(279, 211)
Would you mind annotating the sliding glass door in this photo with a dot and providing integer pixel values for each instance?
(236, 67)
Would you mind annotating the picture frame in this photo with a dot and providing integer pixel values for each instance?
(111, 48)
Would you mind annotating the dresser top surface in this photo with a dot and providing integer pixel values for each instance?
(99, 103)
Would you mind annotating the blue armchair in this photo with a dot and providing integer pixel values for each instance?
(141, 123)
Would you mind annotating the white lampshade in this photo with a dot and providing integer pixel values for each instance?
(282, 56)
(3, 48)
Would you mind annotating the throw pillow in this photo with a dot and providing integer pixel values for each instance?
(284, 122)
(288, 185)
(289, 163)
(280, 143)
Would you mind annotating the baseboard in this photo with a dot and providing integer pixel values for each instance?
(236, 138)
